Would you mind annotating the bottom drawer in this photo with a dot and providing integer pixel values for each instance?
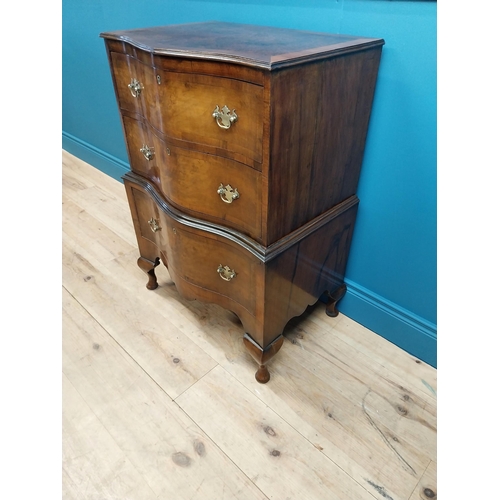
(206, 261)
(223, 271)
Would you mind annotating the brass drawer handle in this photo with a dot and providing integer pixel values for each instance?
(227, 193)
(153, 224)
(225, 272)
(135, 87)
(147, 152)
(224, 117)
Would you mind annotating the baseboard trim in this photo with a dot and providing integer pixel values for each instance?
(403, 328)
(105, 162)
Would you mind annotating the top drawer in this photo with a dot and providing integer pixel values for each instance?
(221, 116)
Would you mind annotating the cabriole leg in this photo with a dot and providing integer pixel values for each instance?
(148, 267)
(334, 297)
(262, 356)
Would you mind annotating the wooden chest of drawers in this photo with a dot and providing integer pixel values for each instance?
(245, 147)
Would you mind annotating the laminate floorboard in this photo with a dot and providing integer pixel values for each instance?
(159, 396)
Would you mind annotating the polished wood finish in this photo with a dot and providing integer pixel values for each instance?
(319, 126)
(180, 107)
(301, 104)
(192, 179)
(269, 288)
(262, 356)
(333, 298)
(257, 46)
(149, 268)
(177, 103)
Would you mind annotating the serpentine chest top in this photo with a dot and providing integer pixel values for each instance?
(245, 147)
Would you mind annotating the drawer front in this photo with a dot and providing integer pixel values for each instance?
(136, 86)
(182, 105)
(215, 189)
(188, 102)
(212, 264)
(205, 186)
(196, 257)
(146, 217)
(147, 152)
(138, 138)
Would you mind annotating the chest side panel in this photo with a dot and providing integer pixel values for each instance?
(319, 121)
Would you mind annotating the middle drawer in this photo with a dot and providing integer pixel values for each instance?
(205, 186)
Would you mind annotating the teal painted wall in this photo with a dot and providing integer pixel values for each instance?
(391, 274)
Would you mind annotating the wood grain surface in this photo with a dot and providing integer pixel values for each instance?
(257, 46)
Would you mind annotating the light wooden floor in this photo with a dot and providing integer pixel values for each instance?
(160, 401)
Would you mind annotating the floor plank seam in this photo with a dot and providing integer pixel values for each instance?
(361, 484)
(265, 497)
(285, 420)
(195, 382)
(120, 346)
(257, 394)
(110, 434)
(420, 479)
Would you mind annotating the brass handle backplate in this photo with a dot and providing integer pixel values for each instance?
(227, 193)
(153, 224)
(224, 117)
(225, 272)
(147, 152)
(135, 87)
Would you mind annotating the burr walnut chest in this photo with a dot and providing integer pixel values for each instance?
(245, 147)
